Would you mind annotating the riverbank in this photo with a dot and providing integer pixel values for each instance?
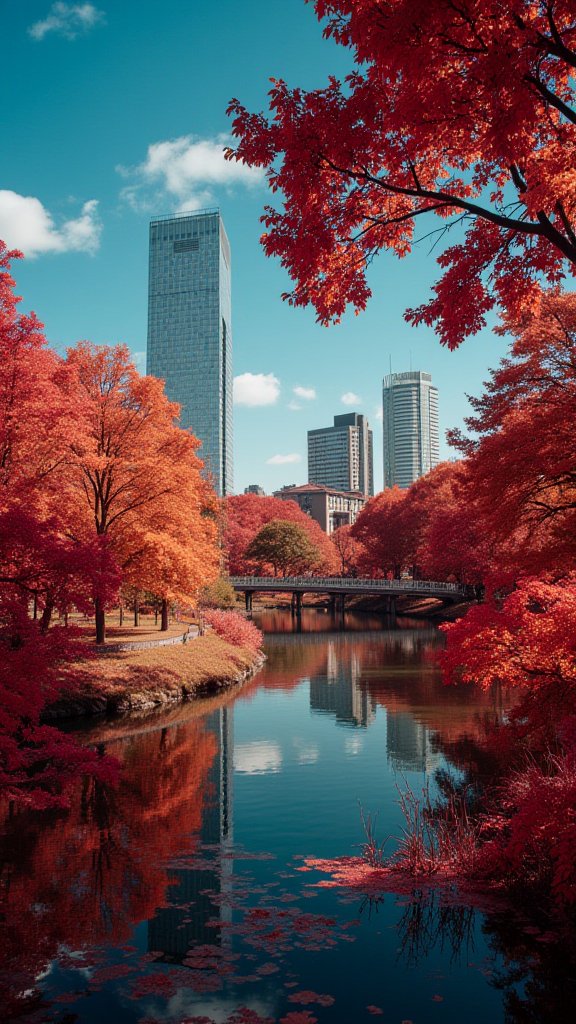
(138, 680)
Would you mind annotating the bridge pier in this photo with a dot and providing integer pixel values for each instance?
(297, 603)
(248, 595)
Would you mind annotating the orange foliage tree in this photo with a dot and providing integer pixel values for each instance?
(40, 415)
(136, 479)
(463, 112)
(349, 550)
(39, 560)
(246, 514)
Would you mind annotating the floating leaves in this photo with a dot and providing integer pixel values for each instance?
(310, 997)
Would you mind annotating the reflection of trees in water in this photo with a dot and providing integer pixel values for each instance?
(538, 979)
(533, 967)
(428, 924)
(291, 658)
(87, 875)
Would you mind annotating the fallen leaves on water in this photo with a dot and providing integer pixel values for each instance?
(308, 996)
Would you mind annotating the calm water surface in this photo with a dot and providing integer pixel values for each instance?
(178, 895)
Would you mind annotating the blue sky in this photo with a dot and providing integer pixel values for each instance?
(115, 111)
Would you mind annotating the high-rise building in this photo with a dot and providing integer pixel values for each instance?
(189, 335)
(410, 422)
(340, 457)
(255, 489)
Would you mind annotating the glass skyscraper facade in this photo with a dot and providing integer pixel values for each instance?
(189, 333)
(410, 421)
(340, 457)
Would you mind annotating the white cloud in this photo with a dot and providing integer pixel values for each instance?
(253, 389)
(294, 405)
(68, 20)
(187, 169)
(353, 745)
(283, 460)
(349, 398)
(306, 753)
(307, 393)
(25, 224)
(378, 412)
(139, 359)
(257, 758)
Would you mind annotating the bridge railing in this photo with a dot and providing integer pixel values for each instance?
(341, 583)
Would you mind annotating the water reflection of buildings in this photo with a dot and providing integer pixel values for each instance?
(184, 922)
(339, 692)
(409, 743)
(342, 692)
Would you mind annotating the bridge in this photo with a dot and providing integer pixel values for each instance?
(339, 586)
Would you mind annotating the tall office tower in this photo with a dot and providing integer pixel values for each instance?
(189, 337)
(340, 457)
(410, 421)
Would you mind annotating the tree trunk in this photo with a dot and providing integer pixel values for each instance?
(155, 614)
(121, 612)
(35, 612)
(164, 625)
(136, 610)
(47, 613)
(100, 616)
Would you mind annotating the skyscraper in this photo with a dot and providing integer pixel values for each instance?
(189, 336)
(410, 422)
(340, 457)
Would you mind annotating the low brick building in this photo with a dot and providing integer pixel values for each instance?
(331, 509)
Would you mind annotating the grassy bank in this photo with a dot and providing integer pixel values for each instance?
(162, 675)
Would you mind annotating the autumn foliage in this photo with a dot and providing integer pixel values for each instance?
(235, 629)
(99, 868)
(501, 520)
(460, 115)
(136, 477)
(246, 514)
(97, 485)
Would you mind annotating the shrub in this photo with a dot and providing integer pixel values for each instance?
(235, 629)
(534, 840)
(219, 594)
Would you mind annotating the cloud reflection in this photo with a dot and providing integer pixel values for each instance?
(257, 758)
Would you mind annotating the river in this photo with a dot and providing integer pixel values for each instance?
(180, 894)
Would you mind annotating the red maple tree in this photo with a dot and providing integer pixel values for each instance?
(40, 561)
(521, 465)
(245, 514)
(462, 111)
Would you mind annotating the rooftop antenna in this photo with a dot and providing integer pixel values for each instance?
(390, 357)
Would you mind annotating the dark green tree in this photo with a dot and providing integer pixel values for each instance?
(285, 546)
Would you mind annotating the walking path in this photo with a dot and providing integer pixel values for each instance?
(135, 638)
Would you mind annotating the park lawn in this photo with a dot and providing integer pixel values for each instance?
(159, 675)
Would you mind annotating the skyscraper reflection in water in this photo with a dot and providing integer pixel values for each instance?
(184, 922)
(409, 743)
(339, 692)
